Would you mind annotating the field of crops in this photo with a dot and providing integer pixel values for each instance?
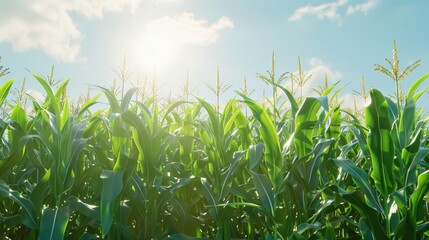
(293, 168)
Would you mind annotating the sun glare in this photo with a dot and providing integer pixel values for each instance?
(157, 52)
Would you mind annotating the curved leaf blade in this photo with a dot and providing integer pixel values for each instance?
(380, 143)
(54, 223)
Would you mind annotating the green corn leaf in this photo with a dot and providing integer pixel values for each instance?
(329, 231)
(61, 89)
(228, 123)
(407, 228)
(368, 214)
(334, 124)
(393, 111)
(360, 177)
(18, 129)
(39, 193)
(255, 154)
(4, 90)
(211, 198)
(112, 187)
(51, 97)
(92, 211)
(415, 85)
(10, 162)
(365, 231)
(411, 156)
(315, 161)
(380, 143)
(291, 98)
(127, 98)
(407, 123)
(328, 90)
(265, 191)
(89, 236)
(178, 236)
(65, 115)
(114, 104)
(271, 141)
(228, 176)
(303, 227)
(241, 120)
(28, 213)
(305, 120)
(172, 189)
(86, 105)
(416, 197)
(54, 223)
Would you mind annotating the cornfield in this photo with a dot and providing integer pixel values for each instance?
(299, 168)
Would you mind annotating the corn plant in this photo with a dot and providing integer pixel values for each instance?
(141, 168)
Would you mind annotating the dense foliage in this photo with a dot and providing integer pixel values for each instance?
(301, 169)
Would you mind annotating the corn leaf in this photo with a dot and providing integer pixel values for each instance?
(416, 197)
(368, 214)
(112, 187)
(54, 222)
(271, 141)
(28, 213)
(255, 154)
(265, 191)
(305, 120)
(360, 177)
(4, 90)
(380, 143)
(407, 228)
(415, 85)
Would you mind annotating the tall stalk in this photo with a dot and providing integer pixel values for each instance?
(395, 74)
(271, 80)
(219, 89)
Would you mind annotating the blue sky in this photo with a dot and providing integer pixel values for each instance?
(166, 39)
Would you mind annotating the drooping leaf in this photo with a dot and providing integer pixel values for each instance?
(360, 177)
(28, 213)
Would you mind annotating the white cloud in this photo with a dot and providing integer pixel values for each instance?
(326, 10)
(164, 37)
(167, 1)
(48, 25)
(331, 10)
(318, 70)
(352, 102)
(364, 7)
(38, 96)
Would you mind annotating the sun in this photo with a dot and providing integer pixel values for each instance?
(158, 51)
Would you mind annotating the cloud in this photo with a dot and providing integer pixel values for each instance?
(331, 10)
(38, 96)
(48, 25)
(164, 37)
(326, 10)
(318, 70)
(167, 1)
(364, 7)
(352, 102)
